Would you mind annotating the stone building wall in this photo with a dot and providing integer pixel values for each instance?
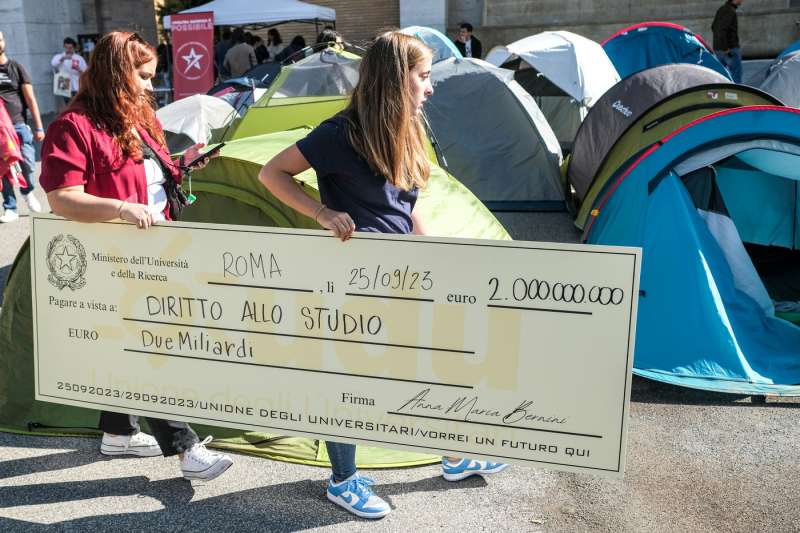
(357, 20)
(130, 15)
(765, 26)
(34, 33)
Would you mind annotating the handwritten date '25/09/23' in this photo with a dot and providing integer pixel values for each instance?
(401, 279)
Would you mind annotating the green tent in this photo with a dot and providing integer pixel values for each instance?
(228, 191)
(662, 119)
(304, 94)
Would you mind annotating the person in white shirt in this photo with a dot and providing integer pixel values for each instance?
(71, 63)
(274, 43)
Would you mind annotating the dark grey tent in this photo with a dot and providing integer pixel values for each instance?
(494, 137)
(755, 71)
(620, 107)
(783, 81)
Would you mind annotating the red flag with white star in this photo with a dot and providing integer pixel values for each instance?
(192, 53)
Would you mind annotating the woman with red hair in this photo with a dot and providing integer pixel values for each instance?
(105, 158)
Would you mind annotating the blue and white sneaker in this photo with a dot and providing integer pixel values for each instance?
(469, 467)
(355, 495)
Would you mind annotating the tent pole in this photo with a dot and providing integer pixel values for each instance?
(168, 72)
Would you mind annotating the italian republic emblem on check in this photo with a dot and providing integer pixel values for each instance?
(66, 260)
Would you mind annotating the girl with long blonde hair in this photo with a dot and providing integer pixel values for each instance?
(371, 161)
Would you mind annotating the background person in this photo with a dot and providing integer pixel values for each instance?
(105, 158)
(220, 49)
(262, 55)
(468, 44)
(87, 47)
(297, 44)
(16, 91)
(241, 57)
(274, 43)
(726, 38)
(370, 162)
(329, 35)
(164, 52)
(70, 63)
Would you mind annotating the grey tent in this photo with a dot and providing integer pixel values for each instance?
(620, 107)
(783, 81)
(494, 137)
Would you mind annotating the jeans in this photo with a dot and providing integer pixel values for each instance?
(733, 62)
(28, 165)
(68, 99)
(173, 437)
(343, 459)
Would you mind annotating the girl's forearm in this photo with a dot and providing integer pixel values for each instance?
(83, 207)
(419, 223)
(284, 188)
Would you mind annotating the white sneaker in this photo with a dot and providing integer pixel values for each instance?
(139, 444)
(33, 203)
(9, 216)
(200, 463)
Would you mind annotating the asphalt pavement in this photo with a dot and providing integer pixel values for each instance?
(697, 461)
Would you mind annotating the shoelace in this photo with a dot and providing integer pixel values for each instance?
(199, 450)
(360, 485)
(139, 438)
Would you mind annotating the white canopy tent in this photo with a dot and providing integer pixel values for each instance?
(253, 13)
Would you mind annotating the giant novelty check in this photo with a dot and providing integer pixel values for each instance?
(516, 351)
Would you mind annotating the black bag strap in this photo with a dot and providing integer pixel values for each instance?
(176, 199)
(151, 153)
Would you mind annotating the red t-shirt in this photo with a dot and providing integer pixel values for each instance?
(77, 152)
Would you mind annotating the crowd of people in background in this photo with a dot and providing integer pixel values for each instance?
(237, 50)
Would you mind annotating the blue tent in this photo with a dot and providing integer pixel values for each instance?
(651, 44)
(716, 210)
(443, 47)
(791, 49)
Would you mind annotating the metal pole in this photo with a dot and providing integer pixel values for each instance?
(98, 13)
(168, 72)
